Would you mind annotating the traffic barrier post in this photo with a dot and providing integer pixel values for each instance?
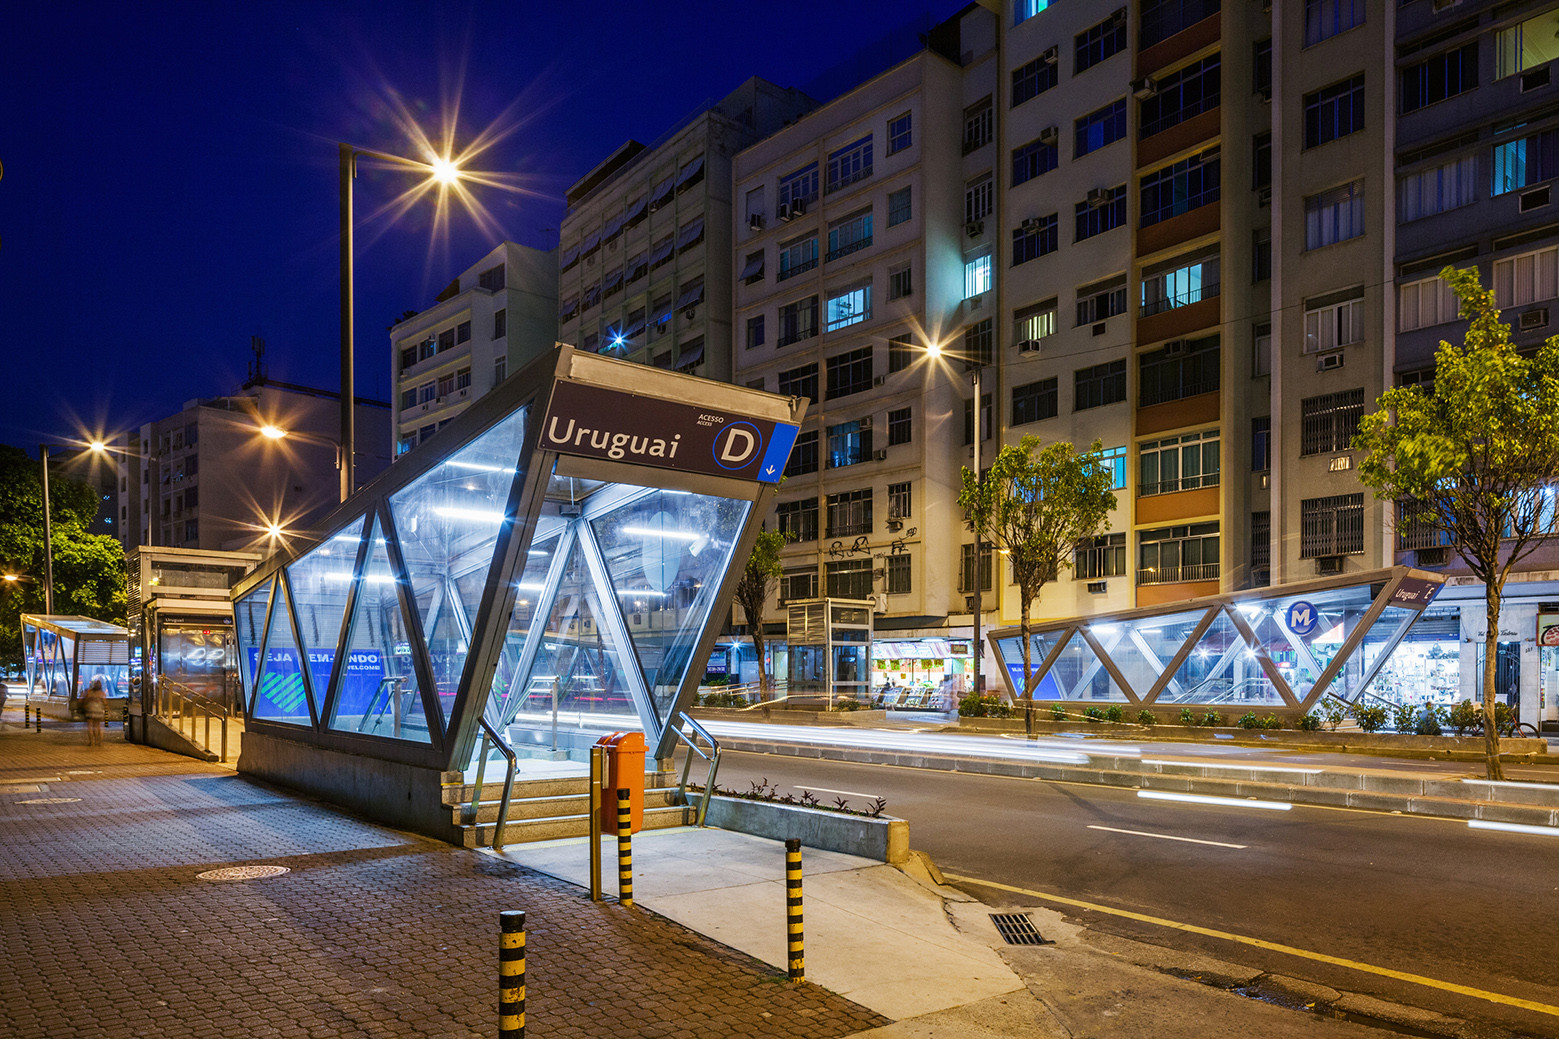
(795, 957)
(511, 975)
(624, 847)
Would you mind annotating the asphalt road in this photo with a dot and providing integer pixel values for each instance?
(1408, 894)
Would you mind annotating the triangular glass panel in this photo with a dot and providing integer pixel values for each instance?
(379, 694)
(1143, 649)
(1079, 675)
(448, 522)
(283, 696)
(666, 553)
(1361, 668)
(249, 630)
(1223, 669)
(1011, 652)
(512, 690)
(1303, 633)
(320, 583)
(578, 652)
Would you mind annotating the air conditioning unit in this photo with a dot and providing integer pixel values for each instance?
(1437, 556)
(1028, 346)
(879, 380)
(1328, 564)
(1099, 329)
(1536, 78)
(880, 603)
(654, 207)
(1032, 225)
(1051, 56)
(969, 604)
(1174, 347)
(866, 422)
(1098, 587)
(1534, 319)
(755, 222)
(880, 455)
(1119, 17)
(1049, 135)
(786, 211)
(1266, 94)
(1527, 201)
(1143, 88)
(798, 206)
(1098, 197)
(976, 302)
(975, 228)
(690, 313)
(465, 391)
(1329, 362)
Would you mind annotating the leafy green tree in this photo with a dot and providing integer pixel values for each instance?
(1472, 455)
(1035, 506)
(753, 590)
(89, 569)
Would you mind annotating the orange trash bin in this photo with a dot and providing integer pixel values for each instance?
(625, 752)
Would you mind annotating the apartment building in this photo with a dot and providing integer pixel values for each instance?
(493, 319)
(863, 240)
(644, 269)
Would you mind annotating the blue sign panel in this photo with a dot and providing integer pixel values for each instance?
(1302, 617)
(1047, 689)
(281, 687)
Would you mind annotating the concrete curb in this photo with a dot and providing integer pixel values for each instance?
(885, 839)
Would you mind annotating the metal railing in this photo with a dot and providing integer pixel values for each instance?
(712, 756)
(179, 708)
(490, 737)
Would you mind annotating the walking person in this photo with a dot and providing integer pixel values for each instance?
(94, 704)
(5, 691)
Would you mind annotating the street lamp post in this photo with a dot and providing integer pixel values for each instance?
(979, 577)
(96, 447)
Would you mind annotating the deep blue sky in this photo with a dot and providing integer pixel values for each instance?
(170, 184)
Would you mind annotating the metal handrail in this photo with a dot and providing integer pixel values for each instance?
(490, 736)
(713, 757)
(174, 703)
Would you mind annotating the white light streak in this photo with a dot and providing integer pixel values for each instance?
(826, 790)
(484, 515)
(1253, 767)
(1209, 799)
(651, 532)
(1168, 837)
(1541, 831)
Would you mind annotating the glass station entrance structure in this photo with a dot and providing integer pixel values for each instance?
(63, 654)
(573, 538)
(1278, 649)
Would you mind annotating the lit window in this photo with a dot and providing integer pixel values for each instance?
(977, 275)
(849, 307)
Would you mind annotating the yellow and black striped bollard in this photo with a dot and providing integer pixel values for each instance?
(511, 975)
(795, 957)
(624, 848)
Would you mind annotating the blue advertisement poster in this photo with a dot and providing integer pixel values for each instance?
(281, 695)
(1046, 690)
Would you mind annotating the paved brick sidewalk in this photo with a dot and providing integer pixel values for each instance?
(106, 932)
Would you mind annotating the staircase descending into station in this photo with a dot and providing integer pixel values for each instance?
(548, 808)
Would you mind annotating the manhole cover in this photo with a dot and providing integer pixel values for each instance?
(49, 801)
(1017, 929)
(242, 873)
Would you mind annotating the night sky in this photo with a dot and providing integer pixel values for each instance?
(170, 169)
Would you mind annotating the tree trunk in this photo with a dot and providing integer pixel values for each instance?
(763, 676)
(1028, 677)
(1490, 655)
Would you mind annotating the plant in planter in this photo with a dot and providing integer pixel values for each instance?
(1310, 722)
(1370, 719)
(1186, 717)
(1428, 723)
(1272, 721)
(1404, 717)
(1146, 717)
(1057, 713)
(1094, 715)
(976, 706)
(1464, 716)
(1113, 713)
(1212, 719)
(1334, 711)
(1248, 720)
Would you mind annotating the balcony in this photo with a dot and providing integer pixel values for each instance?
(1179, 574)
(846, 250)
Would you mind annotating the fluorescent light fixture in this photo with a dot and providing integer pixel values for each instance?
(531, 587)
(651, 532)
(484, 515)
(1104, 629)
(1209, 799)
(646, 592)
(481, 467)
(1250, 609)
(1541, 831)
(346, 575)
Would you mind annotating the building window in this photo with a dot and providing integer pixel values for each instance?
(797, 321)
(1525, 161)
(1334, 216)
(1178, 370)
(849, 373)
(799, 382)
(979, 196)
(1326, 18)
(798, 584)
(899, 574)
(1180, 463)
(980, 341)
(849, 164)
(1429, 302)
(446, 384)
(491, 279)
(428, 348)
(446, 339)
(409, 398)
(1440, 77)
(978, 122)
(1097, 302)
(192, 530)
(1036, 237)
(1261, 161)
(977, 275)
(1331, 526)
(1034, 78)
(1100, 127)
(966, 568)
(799, 186)
(849, 307)
(500, 323)
(1032, 324)
(1334, 111)
(1532, 43)
(754, 331)
(1261, 68)
(1334, 320)
(753, 206)
(804, 456)
(1180, 286)
(1172, 554)
(463, 379)
(463, 332)
(1034, 401)
(798, 519)
(1101, 41)
(426, 393)
(1100, 212)
(985, 419)
(850, 514)
(899, 501)
(849, 444)
(901, 282)
(1102, 556)
(690, 233)
(1033, 159)
(1161, 19)
(900, 135)
(1113, 461)
(902, 352)
(1436, 190)
(849, 235)
(1261, 255)
(900, 428)
(408, 357)
(1329, 422)
(850, 579)
(899, 209)
(1098, 385)
(1180, 95)
(662, 251)
(1260, 543)
(500, 370)
(797, 257)
(1261, 350)
(1180, 188)
(752, 268)
(1261, 444)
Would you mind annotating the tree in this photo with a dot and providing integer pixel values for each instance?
(752, 592)
(1035, 508)
(1473, 455)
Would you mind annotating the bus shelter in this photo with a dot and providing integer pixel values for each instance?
(1279, 649)
(564, 549)
(63, 654)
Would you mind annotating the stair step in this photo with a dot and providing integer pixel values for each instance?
(558, 786)
(550, 807)
(524, 831)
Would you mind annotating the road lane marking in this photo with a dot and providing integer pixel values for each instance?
(825, 790)
(1209, 799)
(1541, 831)
(1261, 943)
(1168, 837)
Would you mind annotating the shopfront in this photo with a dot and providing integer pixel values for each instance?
(921, 673)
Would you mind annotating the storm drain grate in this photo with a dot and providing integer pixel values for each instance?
(1017, 929)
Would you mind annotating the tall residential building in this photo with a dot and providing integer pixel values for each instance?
(645, 245)
(207, 478)
(493, 319)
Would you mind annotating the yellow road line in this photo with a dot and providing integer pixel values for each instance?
(1320, 957)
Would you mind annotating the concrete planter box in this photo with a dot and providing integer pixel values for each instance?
(792, 717)
(885, 839)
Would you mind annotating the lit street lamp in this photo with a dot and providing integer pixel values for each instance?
(97, 447)
(973, 365)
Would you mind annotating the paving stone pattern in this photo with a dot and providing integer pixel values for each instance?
(106, 932)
